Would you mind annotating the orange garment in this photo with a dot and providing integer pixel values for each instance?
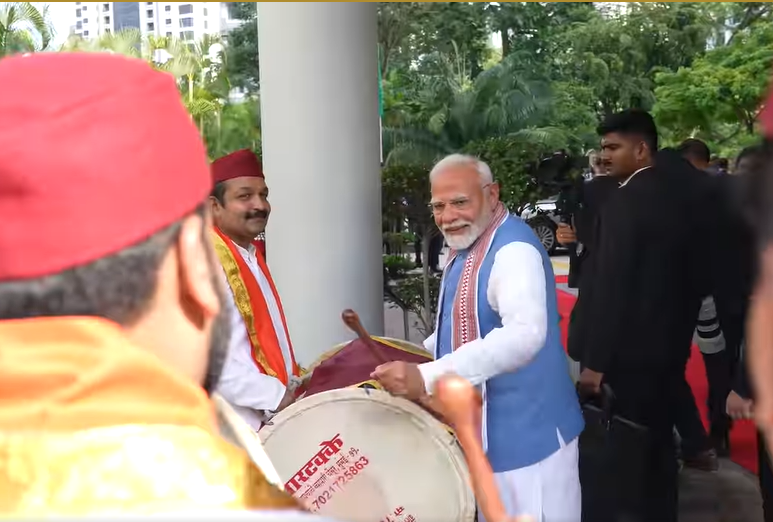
(248, 297)
(91, 424)
(65, 374)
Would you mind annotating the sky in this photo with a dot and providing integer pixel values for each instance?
(62, 15)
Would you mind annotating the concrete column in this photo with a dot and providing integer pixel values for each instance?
(319, 120)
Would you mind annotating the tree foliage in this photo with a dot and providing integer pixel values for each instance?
(509, 82)
(24, 28)
(722, 89)
(242, 63)
(201, 73)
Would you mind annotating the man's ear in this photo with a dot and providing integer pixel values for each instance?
(643, 151)
(196, 266)
(214, 204)
(494, 191)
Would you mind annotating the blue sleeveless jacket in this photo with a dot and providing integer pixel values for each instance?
(525, 410)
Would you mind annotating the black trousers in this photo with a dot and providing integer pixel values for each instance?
(688, 420)
(766, 478)
(719, 373)
(720, 368)
(647, 399)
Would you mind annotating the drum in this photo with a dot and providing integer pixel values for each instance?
(362, 455)
(350, 364)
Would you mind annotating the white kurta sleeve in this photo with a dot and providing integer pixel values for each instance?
(517, 292)
(429, 343)
(241, 382)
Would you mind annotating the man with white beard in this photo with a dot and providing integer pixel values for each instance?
(498, 327)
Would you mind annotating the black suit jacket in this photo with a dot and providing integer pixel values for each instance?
(655, 239)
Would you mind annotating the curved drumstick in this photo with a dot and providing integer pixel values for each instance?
(461, 406)
(352, 320)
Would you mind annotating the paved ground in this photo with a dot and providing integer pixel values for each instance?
(729, 495)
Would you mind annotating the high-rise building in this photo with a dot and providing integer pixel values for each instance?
(125, 15)
(188, 21)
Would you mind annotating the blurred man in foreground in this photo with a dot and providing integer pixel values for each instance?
(110, 304)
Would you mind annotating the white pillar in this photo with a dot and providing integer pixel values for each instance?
(320, 130)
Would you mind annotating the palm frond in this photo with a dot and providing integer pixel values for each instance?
(23, 28)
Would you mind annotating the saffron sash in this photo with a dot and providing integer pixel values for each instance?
(266, 350)
(465, 314)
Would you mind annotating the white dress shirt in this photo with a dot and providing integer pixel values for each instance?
(629, 178)
(242, 384)
(516, 291)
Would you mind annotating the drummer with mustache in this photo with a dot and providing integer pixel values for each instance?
(260, 370)
(498, 327)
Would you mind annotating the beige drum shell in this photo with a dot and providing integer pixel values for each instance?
(411, 460)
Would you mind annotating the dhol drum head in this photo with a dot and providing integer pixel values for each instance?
(351, 363)
(362, 455)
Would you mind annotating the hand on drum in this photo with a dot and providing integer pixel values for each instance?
(401, 378)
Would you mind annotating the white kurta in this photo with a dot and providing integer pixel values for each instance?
(548, 491)
(250, 392)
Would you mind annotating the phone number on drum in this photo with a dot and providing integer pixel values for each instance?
(339, 483)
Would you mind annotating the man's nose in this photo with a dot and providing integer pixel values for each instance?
(448, 216)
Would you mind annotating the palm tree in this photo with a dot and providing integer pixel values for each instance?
(194, 66)
(448, 110)
(199, 69)
(442, 111)
(24, 28)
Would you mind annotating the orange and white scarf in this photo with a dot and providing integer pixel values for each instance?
(465, 312)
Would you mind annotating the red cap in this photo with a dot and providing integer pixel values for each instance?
(240, 164)
(97, 153)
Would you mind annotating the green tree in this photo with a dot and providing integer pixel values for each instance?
(513, 162)
(532, 27)
(200, 70)
(242, 62)
(603, 55)
(398, 27)
(405, 197)
(445, 111)
(453, 28)
(719, 95)
(237, 128)
(24, 28)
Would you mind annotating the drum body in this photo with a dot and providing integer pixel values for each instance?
(350, 364)
(362, 455)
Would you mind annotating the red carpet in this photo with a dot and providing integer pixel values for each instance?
(743, 437)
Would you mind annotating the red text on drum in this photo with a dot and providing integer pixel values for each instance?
(339, 483)
(326, 473)
(399, 515)
(331, 449)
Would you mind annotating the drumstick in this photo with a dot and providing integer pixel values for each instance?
(461, 405)
(352, 320)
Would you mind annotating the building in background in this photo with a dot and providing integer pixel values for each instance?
(227, 22)
(125, 15)
(189, 21)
